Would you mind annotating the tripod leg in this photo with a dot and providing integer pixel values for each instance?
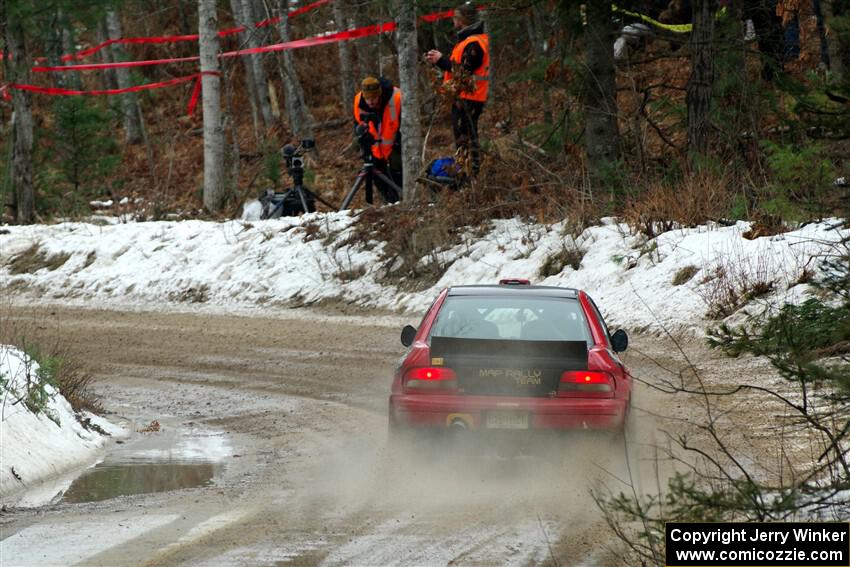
(307, 194)
(325, 203)
(303, 198)
(389, 190)
(351, 193)
(369, 185)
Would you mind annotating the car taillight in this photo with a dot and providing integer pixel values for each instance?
(430, 378)
(586, 383)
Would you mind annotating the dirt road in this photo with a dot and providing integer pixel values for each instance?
(301, 400)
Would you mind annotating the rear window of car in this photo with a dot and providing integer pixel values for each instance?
(513, 318)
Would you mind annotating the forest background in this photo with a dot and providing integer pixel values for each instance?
(723, 111)
(715, 113)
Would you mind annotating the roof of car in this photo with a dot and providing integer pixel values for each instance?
(497, 290)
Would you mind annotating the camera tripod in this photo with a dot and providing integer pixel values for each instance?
(297, 199)
(370, 175)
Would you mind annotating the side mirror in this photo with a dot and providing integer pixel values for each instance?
(619, 340)
(408, 334)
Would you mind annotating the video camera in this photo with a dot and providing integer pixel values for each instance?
(365, 140)
(294, 156)
(298, 199)
(368, 116)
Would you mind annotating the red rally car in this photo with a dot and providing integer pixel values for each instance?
(511, 356)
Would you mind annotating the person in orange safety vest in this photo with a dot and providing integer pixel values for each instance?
(472, 54)
(378, 107)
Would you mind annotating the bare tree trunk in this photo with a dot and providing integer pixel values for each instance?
(600, 101)
(702, 77)
(110, 81)
(300, 118)
(494, 56)
(236, 7)
(130, 111)
(538, 34)
(69, 46)
(368, 48)
(214, 190)
(836, 66)
(345, 68)
(261, 85)
(408, 72)
(57, 45)
(264, 10)
(7, 194)
(21, 198)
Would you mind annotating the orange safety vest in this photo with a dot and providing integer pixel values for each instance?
(481, 76)
(390, 122)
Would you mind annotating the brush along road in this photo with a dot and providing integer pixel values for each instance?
(301, 400)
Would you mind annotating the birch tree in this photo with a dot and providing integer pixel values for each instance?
(131, 114)
(59, 42)
(258, 72)
(300, 118)
(110, 81)
(236, 8)
(21, 196)
(346, 70)
(368, 48)
(214, 191)
(408, 72)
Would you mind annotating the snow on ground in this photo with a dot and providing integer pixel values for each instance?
(297, 261)
(302, 260)
(37, 445)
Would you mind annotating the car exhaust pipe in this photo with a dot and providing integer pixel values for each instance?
(458, 425)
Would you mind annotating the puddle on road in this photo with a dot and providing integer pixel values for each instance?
(107, 481)
(154, 462)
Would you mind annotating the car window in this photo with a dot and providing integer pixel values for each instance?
(514, 318)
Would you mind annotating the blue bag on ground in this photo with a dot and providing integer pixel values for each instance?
(444, 171)
(443, 167)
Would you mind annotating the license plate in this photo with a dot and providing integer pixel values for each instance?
(506, 420)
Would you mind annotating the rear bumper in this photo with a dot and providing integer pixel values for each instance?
(439, 411)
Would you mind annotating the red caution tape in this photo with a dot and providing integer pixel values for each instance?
(193, 101)
(437, 16)
(346, 35)
(54, 91)
(121, 64)
(80, 55)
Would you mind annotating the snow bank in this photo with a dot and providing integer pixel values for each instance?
(36, 446)
(301, 260)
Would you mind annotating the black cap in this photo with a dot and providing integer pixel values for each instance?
(467, 11)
